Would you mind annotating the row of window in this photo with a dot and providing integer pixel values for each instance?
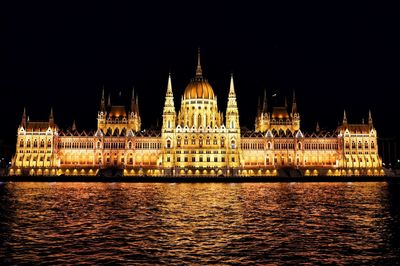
(148, 146)
(321, 146)
(35, 144)
(359, 146)
(75, 145)
(252, 146)
(200, 152)
(201, 159)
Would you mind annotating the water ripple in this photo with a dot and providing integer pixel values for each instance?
(246, 224)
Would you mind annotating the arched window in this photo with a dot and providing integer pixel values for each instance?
(129, 145)
(98, 145)
(49, 144)
(366, 145)
(359, 145)
(21, 143)
(372, 145)
(269, 145)
(299, 146)
(232, 124)
(35, 143)
(42, 144)
(169, 124)
(347, 145)
(168, 143)
(233, 144)
(353, 145)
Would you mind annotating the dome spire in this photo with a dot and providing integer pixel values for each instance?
(199, 71)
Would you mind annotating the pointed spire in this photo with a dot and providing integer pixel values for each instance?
(23, 120)
(294, 104)
(265, 107)
(109, 100)
(344, 118)
(73, 126)
(370, 122)
(285, 102)
(232, 93)
(259, 106)
(169, 106)
(137, 105)
(51, 117)
(169, 86)
(199, 71)
(317, 127)
(103, 101)
(133, 100)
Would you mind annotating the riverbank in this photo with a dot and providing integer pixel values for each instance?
(202, 179)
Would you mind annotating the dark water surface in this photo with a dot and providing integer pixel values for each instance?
(209, 223)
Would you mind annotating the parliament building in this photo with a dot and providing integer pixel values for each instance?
(197, 140)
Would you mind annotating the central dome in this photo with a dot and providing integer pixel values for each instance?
(198, 88)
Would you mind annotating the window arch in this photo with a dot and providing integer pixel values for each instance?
(130, 145)
(21, 143)
(359, 145)
(353, 145)
(48, 143)
(35, 143)
(366, 144)
(233, 144)
(168, 143)
(269, 145)
(299, 146)
(372, 145)
(42, 144)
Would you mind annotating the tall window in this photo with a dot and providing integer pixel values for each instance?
(168, 144)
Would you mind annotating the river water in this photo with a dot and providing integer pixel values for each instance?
(202, 224)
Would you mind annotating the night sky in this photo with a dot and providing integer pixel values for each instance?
(334, 56)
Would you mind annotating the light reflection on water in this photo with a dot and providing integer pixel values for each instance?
(200, 223)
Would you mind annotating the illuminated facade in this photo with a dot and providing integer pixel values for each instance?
(198, 140)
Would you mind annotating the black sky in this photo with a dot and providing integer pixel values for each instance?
(60, 54)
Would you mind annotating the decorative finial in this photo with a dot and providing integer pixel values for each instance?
(317, 127)
(344, 117)
(73, 126)
(199, 71)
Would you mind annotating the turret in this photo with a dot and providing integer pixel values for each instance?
(169, 114)
(73, 126)
(232, 113)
